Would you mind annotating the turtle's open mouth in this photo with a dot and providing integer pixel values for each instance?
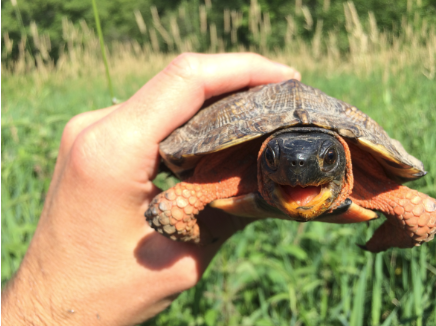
(301, 195)
(306, 202)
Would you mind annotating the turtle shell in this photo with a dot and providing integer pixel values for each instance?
(265, 109)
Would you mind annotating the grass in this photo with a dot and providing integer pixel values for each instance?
(274, 272)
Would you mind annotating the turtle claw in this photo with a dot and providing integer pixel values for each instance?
(362, 246)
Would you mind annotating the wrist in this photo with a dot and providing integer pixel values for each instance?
(46, 292)
(24, 304)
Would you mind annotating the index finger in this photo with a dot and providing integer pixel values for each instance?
(175, 94)
(181, 88)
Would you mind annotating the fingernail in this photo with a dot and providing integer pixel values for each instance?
(289, 72)
(297, 75)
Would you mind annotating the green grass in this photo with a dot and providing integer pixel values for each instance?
(274, 272)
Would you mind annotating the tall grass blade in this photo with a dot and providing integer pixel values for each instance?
(376, 291)
(390, 318)
(359, 299)
(103, 51)
(417, 289)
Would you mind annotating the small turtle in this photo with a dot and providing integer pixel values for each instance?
(289, 151)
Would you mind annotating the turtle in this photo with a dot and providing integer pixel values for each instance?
(289, 151)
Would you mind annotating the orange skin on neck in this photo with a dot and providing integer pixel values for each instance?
(232, 172)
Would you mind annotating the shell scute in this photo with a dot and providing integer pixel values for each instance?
(264, 109)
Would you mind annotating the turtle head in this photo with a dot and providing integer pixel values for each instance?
(302, 171)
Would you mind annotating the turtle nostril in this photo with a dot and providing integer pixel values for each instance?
(301, 163)
(293, 163)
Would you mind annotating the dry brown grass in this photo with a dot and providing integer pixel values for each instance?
(369, 49)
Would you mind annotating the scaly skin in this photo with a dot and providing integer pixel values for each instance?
(411, 215)
(173, 212)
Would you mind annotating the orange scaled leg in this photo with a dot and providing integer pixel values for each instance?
(411, 215)
(219, 175)
(173, 212)
(411, 219)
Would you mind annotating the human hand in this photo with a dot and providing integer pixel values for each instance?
(93, 258)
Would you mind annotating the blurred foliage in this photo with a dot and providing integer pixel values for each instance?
(120, 20)
(274, 272)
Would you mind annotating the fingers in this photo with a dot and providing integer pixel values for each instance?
(180, 89)
(172, 97)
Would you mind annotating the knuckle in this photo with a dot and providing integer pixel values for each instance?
(185, 66)
(83, 154)
(72, 129)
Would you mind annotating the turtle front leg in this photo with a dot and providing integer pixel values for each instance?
(223, 174)
(411, 219)
(411, 214)
(173, 213)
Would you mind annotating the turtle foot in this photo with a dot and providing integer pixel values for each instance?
(415, 212)
(387, 236)
(411, 217)
(173, 213)
(412, 221)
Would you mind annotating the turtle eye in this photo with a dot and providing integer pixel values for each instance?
(330, 158)
(270, 157)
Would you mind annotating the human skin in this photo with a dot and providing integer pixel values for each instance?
(93, 259)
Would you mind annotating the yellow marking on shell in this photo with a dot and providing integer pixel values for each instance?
(346, 133)
(314, 208)
(407, 172)
(379, 149)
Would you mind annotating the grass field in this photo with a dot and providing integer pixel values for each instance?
(274, 272)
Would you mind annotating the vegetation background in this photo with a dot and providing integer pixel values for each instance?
(377, 55)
